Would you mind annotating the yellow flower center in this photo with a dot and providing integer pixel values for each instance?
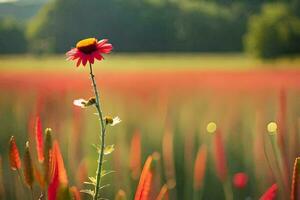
(87, 46)
(109, 120)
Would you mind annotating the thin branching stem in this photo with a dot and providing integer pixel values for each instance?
(102, 135)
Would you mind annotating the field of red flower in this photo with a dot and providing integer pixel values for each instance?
(134, 83)
(167, 115)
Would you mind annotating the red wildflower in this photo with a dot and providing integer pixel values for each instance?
(220, 156)
(240, 180)
(59, 177)
(270, 194)
(200, 166)
(62, 174)
(14, 156)
(54, 185)
(135, 154)
(144, 186)
(88, 50)
(39, 140)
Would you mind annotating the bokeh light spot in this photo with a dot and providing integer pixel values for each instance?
(211, 127)
(272, 127)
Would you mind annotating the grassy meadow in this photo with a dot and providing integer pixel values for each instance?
(166, 103)
(150, 61)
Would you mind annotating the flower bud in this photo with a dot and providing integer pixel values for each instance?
(14, 156)
(28, 169)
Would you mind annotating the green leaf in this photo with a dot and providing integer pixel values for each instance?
(109, 149)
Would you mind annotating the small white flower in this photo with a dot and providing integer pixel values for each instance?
(84, 103)
(80, 102)
(116, 120)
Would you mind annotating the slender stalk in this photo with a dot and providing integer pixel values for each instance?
(102, 134)
(32, 195)
(227, 190)
(278, 162)
(198, 194)
(21, 181)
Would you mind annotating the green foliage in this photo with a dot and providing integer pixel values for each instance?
(167, 25)
(273, 33)
(12, 38)
(210, 27)
(148, 25)
(295, 7)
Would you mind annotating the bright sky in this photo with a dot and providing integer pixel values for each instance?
(6, 1)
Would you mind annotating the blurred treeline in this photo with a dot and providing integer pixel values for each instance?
(264, 28)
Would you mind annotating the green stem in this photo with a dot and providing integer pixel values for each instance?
(102, 135)
(278, 162)
(227, 190)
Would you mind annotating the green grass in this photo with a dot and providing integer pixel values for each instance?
(158, 61)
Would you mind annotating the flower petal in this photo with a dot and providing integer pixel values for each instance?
(116, 120)
(91, 59)
(102, 42)
(72, 52)
(84, 60)
(98, 56)
(80, 102)
(78, 62)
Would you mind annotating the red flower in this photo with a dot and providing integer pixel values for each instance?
(270, 194)
(240, 180)
(88, 50)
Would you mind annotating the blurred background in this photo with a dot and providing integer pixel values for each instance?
(177, 65)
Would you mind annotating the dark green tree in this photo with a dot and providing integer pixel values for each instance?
(273, 33)
(12, 37)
